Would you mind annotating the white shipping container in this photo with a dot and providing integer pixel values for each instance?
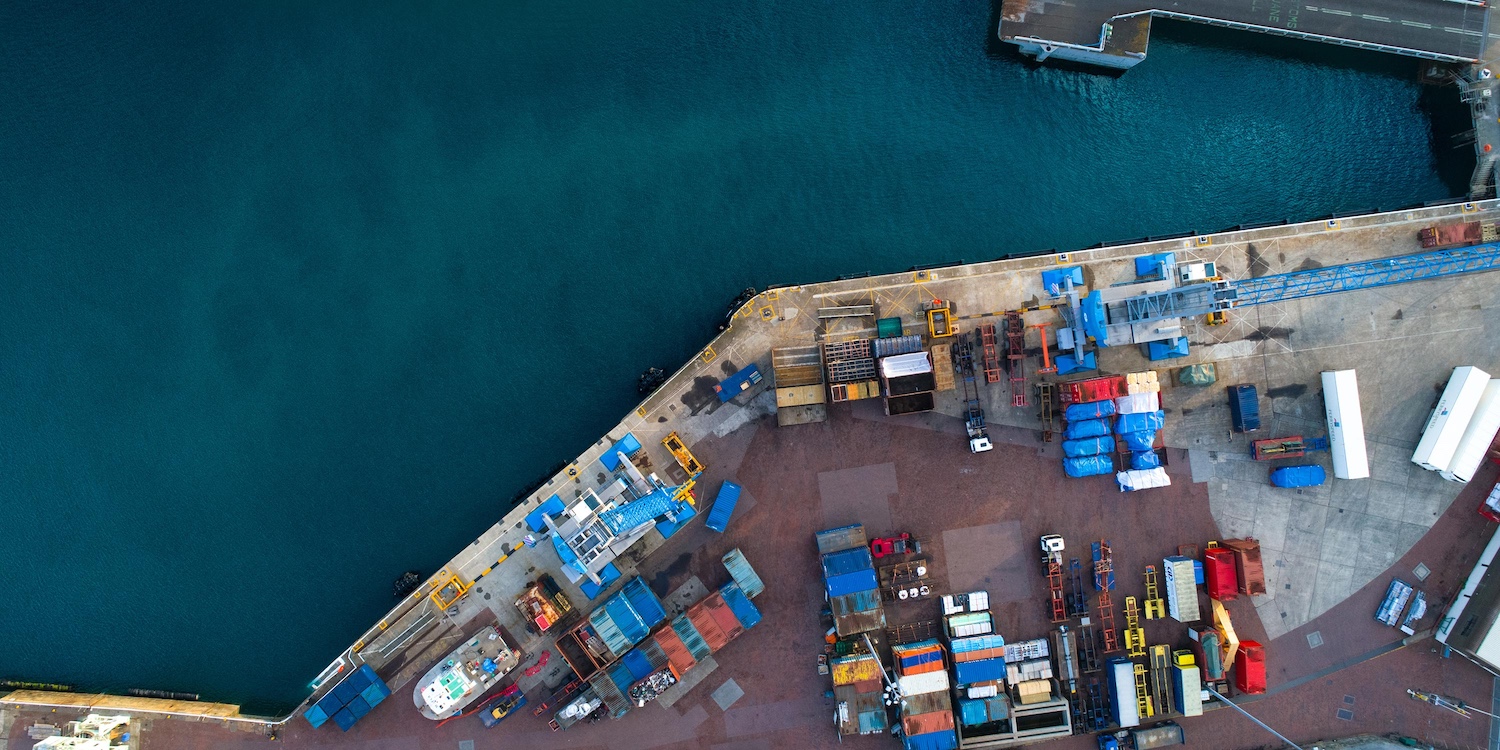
(1478, 436)
(1182, 589)
(1346, 425)
(1187, 690)
(1122, 694)
(1445, 428)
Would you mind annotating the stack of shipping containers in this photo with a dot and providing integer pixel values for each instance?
(926, 708)
(859, 695)
(632, 628)
(349, 700)
(849, 580)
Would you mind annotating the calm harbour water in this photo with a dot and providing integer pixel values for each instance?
(296, 298)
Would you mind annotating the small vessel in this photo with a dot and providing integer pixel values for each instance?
(650, 380)
(464, 675)
(406, 583)
(735, 305)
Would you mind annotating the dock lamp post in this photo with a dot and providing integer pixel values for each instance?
(1262, 724)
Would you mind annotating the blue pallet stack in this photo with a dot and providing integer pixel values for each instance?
(350, 700)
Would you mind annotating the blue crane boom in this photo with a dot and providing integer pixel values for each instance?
(1201, 299)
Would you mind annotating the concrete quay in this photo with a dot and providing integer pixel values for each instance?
(1329, 551)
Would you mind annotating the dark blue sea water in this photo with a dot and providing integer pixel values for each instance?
(297, 296)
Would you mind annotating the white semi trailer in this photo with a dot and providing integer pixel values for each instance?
(1346, 425)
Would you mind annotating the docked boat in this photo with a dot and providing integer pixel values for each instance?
(464, 675)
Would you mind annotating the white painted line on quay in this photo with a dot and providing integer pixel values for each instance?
(1337, 12)
(1417, 24)
(1452, 30)
(1369, 17)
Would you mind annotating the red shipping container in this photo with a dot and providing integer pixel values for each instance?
(1218, 574)
(723, 615)
(1250, 668)
(707, 627)
(1252, 574)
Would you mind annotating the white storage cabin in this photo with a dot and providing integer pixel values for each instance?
(1346, 425)
(1445, 428)
(1478, 437)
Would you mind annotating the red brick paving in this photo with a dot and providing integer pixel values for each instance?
(942, 487)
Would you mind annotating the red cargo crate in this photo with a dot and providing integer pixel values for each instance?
(1093, 389)
(707, 626)
(1250, 668)
(1247, 566)
(1218, 573)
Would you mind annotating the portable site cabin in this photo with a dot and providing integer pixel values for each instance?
(1469, 626)
(1346, 425)
(1450, 418)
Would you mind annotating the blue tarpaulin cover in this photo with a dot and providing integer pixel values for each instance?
(1151, 420)
(1052, 279)
(1139, 441)
(1144, 460)
(627, 445)
(607, 576)
(1298, 476)
(1092, 410)
(1088, 446)
(1087, 428)
(553, 506)
(847, 561)
(1088, 466)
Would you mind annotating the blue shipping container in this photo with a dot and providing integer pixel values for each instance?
(1244, 408)
(376, 693)
(315, 716)
(984, 670)
(744, 575)
(1088, 428)
(644, 601)
(358, 707)
(344, 719)
(728, 497)
(637, 663)
(626, 619)
(691, 638)
(847, 561)
(940, 740)
(738, 383)
(848, 583)
(740, 605)
(1298, 476)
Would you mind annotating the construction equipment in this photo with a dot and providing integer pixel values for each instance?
(1047, 366)
(1088, 649)
(1155, 608)
(1015, 356)
(985, 335)
(1104, 580)
(1044, 395)
(940, 319)
(979, 438)
(446, 593)
(1161, 679)
(1135, 635)
(1142, 698)
(1227, 638)
(1078, 598)
(685, 458)
(1295, 446)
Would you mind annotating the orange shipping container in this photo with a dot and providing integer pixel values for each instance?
(937, 721)
(677, 652)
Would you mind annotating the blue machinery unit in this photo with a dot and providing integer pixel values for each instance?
(1201, 299)
(1097, 315)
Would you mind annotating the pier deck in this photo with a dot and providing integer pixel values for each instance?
(1328, 550)
(1446, 30)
